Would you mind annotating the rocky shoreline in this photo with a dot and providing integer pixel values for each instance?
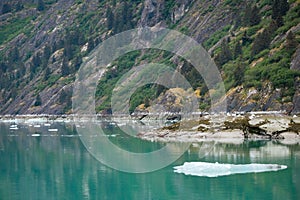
(232, 128)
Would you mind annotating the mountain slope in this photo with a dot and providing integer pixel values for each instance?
(43, 44)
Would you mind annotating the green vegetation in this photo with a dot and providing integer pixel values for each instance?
(249, 59)
(255, 49)
(217, 36)
(14, 28)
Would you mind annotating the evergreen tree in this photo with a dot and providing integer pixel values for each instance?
(14, 55)
(237, 50)
(291, 43)
(46, 55)
(62, 97)
(66, 99)
(254, 16)
(3, 67)
(19, 6)
(65, 70)
(38, 100)
(239, 73)
(77, 62)
(91, 45)
(40, 5)
(261, 42)
(6, 8)
(225, 55)
(245, 39)
(47, 74)
(68, 48)
(279, 9)
(47, 52)
(35, 63)
(114, 3)
(109, 18)
(238, 22)
(146, 102)
(251, 16)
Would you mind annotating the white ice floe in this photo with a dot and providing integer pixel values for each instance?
(218, 169)
(13, 127)
(52, 130)
(36, 135)
(37, 126)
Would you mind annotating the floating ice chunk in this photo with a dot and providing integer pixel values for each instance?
(46, 124)
(52, 130)
(37, 126)
(218, 169)
(36, 135)
(13, 127)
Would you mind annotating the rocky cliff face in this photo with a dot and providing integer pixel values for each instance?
(39, 58)
(295, 65)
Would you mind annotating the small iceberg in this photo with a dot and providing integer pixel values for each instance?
(36, 135)
(14, 127)
(217, 169)
(52, 130)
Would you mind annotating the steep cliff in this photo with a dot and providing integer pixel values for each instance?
(43, 43)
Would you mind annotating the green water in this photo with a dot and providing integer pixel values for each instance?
(56, 165)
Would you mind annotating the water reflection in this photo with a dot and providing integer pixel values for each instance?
(54, 166)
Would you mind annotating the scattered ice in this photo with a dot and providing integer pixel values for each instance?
(217, 169)
(36, 135)
(47, 124)
(37, 126)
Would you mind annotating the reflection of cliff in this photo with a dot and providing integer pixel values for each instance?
(271, 150)
(58, 167)
(248, 152)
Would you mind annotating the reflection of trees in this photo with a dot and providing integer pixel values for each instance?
(59, 167)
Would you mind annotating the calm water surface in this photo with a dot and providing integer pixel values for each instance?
(56, 165)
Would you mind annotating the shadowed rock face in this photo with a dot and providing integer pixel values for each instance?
(295, 65)
(296, 99)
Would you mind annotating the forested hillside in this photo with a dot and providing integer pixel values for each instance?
(255, 45)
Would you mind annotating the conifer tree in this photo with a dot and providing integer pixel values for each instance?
(251, 16)
(91, 45)
(6, 8)
(261, 42)
(254, 16)
(65, 70)
(40, 5)
(245, 39)
(225, 55)
(237, 50)
(291, 43)
(279, 9)
(38, 100)
(109, 18)
(47, 74)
